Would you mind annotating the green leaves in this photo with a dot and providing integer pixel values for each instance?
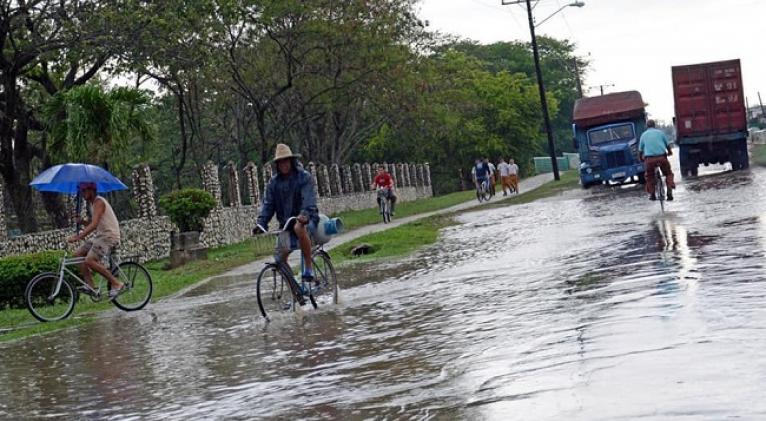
(88, 124)
(188, 208)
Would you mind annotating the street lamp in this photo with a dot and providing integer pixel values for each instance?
(541, 86)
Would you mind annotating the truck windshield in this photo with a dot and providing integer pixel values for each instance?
(611, 133)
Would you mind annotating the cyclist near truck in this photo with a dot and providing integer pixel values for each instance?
(654, 150)
(480, 173)
(384, 181)
(290, 193)
(107, 236)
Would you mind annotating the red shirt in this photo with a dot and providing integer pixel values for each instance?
(384, 180)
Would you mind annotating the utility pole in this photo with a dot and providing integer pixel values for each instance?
(577, 75)
(601, 87)
(763, 113)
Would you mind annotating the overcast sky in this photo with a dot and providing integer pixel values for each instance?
(632, 43)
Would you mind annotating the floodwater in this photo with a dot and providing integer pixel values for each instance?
(589, 306)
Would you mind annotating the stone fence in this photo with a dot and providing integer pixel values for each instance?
(339, 188)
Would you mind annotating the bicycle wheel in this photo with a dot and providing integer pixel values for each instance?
(386, 210)
(326, 292)
(382, 208)
(41, 302)
(273, 291)
(660, 189)
(139, 284)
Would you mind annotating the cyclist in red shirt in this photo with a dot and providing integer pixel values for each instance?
(385, 182)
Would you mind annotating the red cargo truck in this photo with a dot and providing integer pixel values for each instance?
(711, 119)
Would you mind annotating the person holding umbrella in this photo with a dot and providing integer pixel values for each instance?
(107, 236)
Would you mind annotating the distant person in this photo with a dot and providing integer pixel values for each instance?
(492, 180)
(514, 175)
(385, 182)
(107, 236)
(654, 150)
(505, 176)
(480, 173)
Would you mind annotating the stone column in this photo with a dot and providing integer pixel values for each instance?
(421, 175)
(266, 175)
(235, 195)
(251, 182)
(336, 187)
(358, 179)
(3, 227)
(325, 179)
(312, 168)
(349, 179)
(143, 191)
(427, 167)
(210, 181)
(394, 174)
(366, 176)
(405, 175)
(414, 175)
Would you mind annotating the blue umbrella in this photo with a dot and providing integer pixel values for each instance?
(66, 178)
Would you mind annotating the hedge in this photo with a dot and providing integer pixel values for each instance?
(188, 208)
(16, 271)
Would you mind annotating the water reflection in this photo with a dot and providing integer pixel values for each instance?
(592, 306)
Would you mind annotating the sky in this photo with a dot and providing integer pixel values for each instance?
(632, 44)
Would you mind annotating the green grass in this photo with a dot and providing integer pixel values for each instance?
(394, 242)
(568, 181)
(18, 323)
(359, 218)
(759, 155)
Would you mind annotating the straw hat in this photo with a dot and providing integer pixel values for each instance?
(284, 152)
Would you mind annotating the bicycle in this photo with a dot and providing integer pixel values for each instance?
(277, 290)
(384, 204)
(482, 192)
(51, 296)
(659, 188)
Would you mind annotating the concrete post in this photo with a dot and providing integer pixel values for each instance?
(326, 190)
(427, 167)
(414, 175)
(143, 191)
(251, 182)
(235, 195)
(406, 175)
(348, 179)
(358, 179)
(312, 168)
(421, 175)
(210, 181)
(336, 187)
(394, 174)
(366, 176)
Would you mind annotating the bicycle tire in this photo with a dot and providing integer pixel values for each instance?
(273, 291)
(386, 211)
(140, 286)
(37, 298)
(327, 291)
(660, 189)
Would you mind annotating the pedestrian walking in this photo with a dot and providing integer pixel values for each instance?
(505, 176)
(514, 175)
(492, 179)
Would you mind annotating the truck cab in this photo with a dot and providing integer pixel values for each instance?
(607, 130)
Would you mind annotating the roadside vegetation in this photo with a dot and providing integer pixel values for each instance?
(759, 155)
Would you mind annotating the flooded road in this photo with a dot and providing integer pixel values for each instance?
(588, 306)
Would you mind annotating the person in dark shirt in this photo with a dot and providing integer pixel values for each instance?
(291, 193)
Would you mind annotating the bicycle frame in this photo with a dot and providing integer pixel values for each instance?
(71, 261)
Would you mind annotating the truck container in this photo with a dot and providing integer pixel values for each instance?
(606, 133)
(711, 118)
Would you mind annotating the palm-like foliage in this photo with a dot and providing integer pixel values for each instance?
(89, 124)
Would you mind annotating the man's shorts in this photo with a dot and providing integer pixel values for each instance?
(98, 247)
(288, 241)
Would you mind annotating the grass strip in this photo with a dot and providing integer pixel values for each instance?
(759, 155)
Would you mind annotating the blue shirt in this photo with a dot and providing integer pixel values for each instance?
(288, 196)
(481, 171)
(653, 143)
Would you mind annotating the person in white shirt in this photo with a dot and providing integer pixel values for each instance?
(505, 176)
(514, 176)
(492, 179)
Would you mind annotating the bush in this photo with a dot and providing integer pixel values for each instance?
(188, 208)
(16, 271)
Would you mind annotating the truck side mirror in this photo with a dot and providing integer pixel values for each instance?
(575, 143)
